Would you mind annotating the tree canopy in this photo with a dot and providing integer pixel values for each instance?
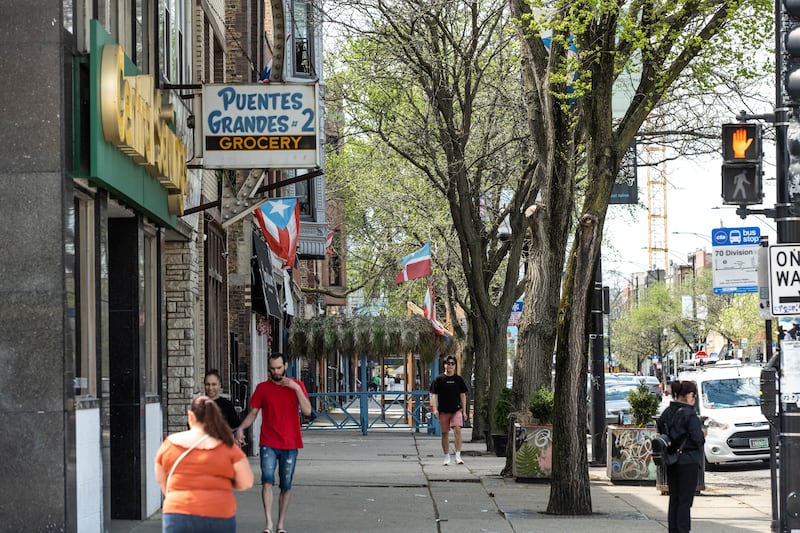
(514, 129)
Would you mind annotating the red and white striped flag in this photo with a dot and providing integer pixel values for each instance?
(429, 309)
(329, 240)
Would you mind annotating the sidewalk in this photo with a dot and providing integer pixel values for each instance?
(393, 481)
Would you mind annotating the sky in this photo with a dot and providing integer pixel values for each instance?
(694, 207)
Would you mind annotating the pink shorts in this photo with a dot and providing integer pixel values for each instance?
(448, 420)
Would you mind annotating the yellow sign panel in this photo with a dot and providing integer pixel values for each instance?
(135, 121)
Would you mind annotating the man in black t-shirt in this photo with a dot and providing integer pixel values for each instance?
(448, 400)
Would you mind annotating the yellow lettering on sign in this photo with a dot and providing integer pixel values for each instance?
(136, 121)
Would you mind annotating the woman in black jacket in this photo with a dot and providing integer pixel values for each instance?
(681, 423)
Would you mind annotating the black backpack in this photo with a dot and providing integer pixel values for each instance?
(664, 453)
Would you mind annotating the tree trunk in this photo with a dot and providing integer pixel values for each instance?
(490, 370)
(480, 422)
(569, 486)
(533, 362)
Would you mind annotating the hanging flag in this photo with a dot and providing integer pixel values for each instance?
(416, 265)
(279, 219)
(429, 310)
(329, 240)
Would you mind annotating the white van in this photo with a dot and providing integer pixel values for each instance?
(728, 402)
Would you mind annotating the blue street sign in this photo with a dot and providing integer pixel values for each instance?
(736, 236)
(735, 259)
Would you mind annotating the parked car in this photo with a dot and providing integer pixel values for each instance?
(728, 402)
(653, 384)
(617, 408)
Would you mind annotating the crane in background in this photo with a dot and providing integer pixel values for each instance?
(657, 248)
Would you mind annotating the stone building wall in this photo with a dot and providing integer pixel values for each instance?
(183, 266)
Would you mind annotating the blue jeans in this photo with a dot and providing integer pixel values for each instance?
(189, 523)
(272, 457)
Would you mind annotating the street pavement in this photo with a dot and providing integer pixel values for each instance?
(393, 481)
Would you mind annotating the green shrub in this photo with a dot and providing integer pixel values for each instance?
(502, 410)
(644, 405)
(541, 405)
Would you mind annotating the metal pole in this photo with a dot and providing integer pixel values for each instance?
(363, 395)
(788, 226)
(598, 371)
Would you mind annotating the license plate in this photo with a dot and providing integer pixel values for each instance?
(759, 443)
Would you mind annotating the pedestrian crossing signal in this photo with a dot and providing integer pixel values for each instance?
(741, 184)
(741, 142)
(741, 164)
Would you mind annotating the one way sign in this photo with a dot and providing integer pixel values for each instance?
(784, 279)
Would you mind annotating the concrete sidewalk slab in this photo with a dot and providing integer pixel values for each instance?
(393, 481)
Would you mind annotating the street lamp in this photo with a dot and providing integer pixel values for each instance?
(701, 235)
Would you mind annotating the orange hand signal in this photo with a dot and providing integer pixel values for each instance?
(740, 143)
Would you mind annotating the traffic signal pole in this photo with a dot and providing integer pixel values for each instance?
(788, 225)
(786, 120)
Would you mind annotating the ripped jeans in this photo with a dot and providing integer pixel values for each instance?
(285, 460)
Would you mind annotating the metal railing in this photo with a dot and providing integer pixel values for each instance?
(371, 410)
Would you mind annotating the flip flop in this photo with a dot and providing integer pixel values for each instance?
(282, 531)
(268, 530)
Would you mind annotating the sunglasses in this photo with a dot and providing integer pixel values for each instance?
(449, 363)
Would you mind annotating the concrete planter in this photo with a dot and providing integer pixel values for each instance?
(629, 454)
(532, 453)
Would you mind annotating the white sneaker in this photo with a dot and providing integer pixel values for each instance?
(446, 461)
(459, 460)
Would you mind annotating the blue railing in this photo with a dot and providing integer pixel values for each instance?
(371, 410)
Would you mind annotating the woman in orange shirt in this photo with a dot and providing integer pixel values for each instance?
(198, 470)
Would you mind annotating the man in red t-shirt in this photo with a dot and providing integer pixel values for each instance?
(279, 397)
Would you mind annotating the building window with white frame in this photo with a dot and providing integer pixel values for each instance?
(303, 38)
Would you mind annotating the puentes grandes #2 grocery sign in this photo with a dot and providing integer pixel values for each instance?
(264, 125)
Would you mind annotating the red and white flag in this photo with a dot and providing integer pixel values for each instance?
(416, 265)
(429, 310)
(279, 219)
(329, 240)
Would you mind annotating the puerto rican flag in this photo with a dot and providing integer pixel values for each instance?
(279, 219)
(429, 309)
(416, 265)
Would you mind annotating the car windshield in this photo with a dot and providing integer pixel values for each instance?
(735, 392)
(618, 392)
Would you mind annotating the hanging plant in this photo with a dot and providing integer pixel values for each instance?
(330, 336)
(298, 337)
(380, 346)
(363, 334)
(262, 325)
(316, 341)
(346, 336)
(374, 336)
(394, 334)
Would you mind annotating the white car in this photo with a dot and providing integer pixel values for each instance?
(728, 402)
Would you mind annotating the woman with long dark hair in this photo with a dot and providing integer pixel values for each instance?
(681, 423)
(198, 470)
